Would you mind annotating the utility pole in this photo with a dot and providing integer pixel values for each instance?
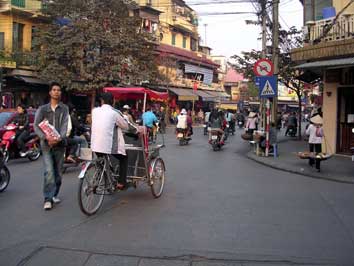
(205, 36)
(275, 53)
(264, 52)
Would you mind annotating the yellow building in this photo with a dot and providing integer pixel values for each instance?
(328, 54)
(18, 19)
(181, 59)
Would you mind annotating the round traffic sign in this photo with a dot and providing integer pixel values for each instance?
(263, 67)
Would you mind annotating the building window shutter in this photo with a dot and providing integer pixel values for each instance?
(2, 41)
(173, 39)
(184, 42)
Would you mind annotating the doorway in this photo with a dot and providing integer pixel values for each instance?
(345, 137)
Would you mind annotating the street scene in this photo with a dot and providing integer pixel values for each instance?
(172, 132)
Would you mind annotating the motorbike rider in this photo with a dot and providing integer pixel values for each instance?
(161, 116)
(216, 122)
(149, 121)
(230, 118)
(240, 118)
(74, 141)
(292, 123)
(182, 121)
(22, 131)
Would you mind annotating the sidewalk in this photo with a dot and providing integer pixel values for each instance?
(338, 168)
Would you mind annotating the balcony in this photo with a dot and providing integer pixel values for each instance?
(32, 5)
(343, 29)
(337, 42)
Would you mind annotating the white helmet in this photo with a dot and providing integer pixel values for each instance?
(183, 112)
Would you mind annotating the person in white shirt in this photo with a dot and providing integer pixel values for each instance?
(107, 135)
(315, 131)
(182, 119)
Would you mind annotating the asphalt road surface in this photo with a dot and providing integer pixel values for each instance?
(218, 208)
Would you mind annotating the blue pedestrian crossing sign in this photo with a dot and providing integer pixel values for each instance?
(268, 87)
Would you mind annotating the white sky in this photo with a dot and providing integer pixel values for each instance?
(229, 35)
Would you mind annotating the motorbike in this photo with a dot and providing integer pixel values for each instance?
(352, 148)
(216, 140)
(205, 126)
(231, 128)
(182, 136)
(4, 174)
(292, 131)
(8, 145)
(240, 124)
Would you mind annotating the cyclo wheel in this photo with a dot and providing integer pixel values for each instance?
(157, 177)
(92, 189)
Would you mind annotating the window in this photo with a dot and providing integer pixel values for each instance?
(19, 3)
(184, 42)
(173, 39)
(2, 41)
(193, 44)
(17, 36)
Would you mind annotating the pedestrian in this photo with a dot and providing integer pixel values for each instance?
(251, 124)
(315, 131)
(53, 150)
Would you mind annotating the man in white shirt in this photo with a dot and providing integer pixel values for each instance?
(107, 135)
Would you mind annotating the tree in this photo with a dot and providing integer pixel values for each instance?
(288, 75)
(89, 44)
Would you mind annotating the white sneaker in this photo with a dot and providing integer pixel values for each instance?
(23, 154)
(56, 200)
(48, 205)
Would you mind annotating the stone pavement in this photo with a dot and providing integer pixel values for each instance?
(338, 168)
(47, 255)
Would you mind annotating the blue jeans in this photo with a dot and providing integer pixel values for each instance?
(53, 159)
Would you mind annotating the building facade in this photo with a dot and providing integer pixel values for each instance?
(328, 56)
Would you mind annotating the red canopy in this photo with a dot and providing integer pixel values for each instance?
(136, 93)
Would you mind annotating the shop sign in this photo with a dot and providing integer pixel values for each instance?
(7, 63)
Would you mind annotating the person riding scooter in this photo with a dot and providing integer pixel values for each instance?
(182, 123)
(292, 125)
(216, 124)
(22, 132)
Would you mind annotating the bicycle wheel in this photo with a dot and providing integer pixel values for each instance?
(4, 178)
(157, 177)
(92, 189)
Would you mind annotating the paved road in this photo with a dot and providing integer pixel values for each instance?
(218, 208)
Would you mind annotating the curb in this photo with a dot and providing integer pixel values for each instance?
(250, 156)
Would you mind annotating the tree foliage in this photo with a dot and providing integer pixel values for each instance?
(89, 44)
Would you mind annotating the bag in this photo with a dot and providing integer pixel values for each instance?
(319, 132)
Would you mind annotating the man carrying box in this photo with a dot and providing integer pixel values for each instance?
(51, 125)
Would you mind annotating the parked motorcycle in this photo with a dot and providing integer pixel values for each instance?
(216, 140)
(182, 136)
(4, 174)
(8, 145)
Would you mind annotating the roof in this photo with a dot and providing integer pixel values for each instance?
(233, 76)
(186, 55)
(328, 63)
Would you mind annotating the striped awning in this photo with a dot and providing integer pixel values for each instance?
(208, 73)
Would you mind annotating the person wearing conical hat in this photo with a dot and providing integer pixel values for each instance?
(251, 124)
(315, 132)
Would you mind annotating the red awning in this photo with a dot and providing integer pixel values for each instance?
(136, 93)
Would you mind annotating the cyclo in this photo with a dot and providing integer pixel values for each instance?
(99, 176)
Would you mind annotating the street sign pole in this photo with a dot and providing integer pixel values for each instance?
(267, 128)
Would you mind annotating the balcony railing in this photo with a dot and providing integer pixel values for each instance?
(341, 30)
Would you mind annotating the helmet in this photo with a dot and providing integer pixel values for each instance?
(183, 112)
